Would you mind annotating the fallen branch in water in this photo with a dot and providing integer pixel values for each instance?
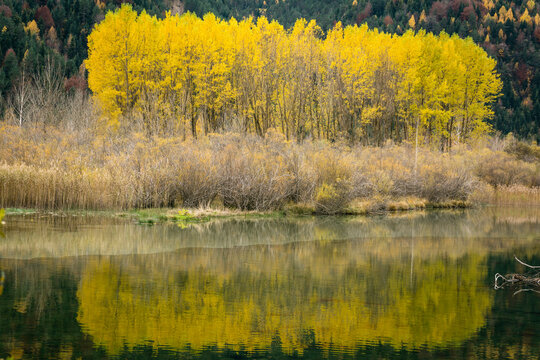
(527, 265)
(528, 282)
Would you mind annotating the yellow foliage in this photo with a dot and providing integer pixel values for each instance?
(412, 22)
(488, 4)
(510, 15)
(422, 17)
(502, 14)
(332, 198)
(525, 17)
(212, 75)
(123, 309)
(100, 4)
(32, 28)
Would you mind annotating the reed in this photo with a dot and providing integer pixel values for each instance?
(511, 195)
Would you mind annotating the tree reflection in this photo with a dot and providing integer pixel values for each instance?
(340, 294)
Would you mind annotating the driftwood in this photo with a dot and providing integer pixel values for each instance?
(526, 282)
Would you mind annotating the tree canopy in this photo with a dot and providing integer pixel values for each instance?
(365, 85)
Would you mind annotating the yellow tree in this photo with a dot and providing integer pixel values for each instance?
(412, 22)
(357, 83)
(113, 48)
(296, 84)
(479, 87)
(148, 71)
(212, 69)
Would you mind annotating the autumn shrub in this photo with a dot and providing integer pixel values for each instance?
(303, 173)
(523, 151)
(389, 170)
(52, 167)
(440, 184)
(198, 179)
(331, 164)
(144, 173)
(253, 178)
(332, 198)
(361, 185)
(500, 168)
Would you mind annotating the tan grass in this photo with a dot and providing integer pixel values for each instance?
(55, 168)
(510, 195)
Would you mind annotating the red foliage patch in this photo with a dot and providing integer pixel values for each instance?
(522, 72)
(456, 4)
(439, 9)
(76, 83)
(388, 20)
(44, 14)
(364, 14)
(467, 12)
(6, 11)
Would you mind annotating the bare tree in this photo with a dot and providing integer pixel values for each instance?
(47, 93)
(20, 96)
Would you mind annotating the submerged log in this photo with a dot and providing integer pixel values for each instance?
(526, 282)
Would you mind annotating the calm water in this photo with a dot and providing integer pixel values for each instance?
(408, 286)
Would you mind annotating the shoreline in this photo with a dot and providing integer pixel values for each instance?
(198, 215)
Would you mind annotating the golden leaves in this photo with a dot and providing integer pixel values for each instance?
(213, 75)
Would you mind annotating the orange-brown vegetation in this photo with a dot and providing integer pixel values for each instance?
(52, 167)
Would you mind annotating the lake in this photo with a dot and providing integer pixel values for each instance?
(413, 285)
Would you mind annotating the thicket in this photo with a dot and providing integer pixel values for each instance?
(363, 85)
(56, 167)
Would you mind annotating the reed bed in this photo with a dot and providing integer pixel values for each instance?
(48, 167)
(511, 195)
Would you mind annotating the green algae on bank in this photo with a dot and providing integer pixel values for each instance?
(380, 205)
(184, 217)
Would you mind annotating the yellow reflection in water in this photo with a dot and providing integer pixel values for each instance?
(340, 293)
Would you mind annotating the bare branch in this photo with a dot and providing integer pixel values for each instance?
(525, 290)
(527, 265)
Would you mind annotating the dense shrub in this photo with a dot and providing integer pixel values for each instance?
(499, 168)
(253, 178)
(332, 198)
(523, 151)
(48, 167)
(440, 185)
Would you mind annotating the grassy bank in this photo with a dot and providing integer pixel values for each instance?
(50, 168)
(186, 217)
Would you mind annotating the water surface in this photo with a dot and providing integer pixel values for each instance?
(416, 285)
